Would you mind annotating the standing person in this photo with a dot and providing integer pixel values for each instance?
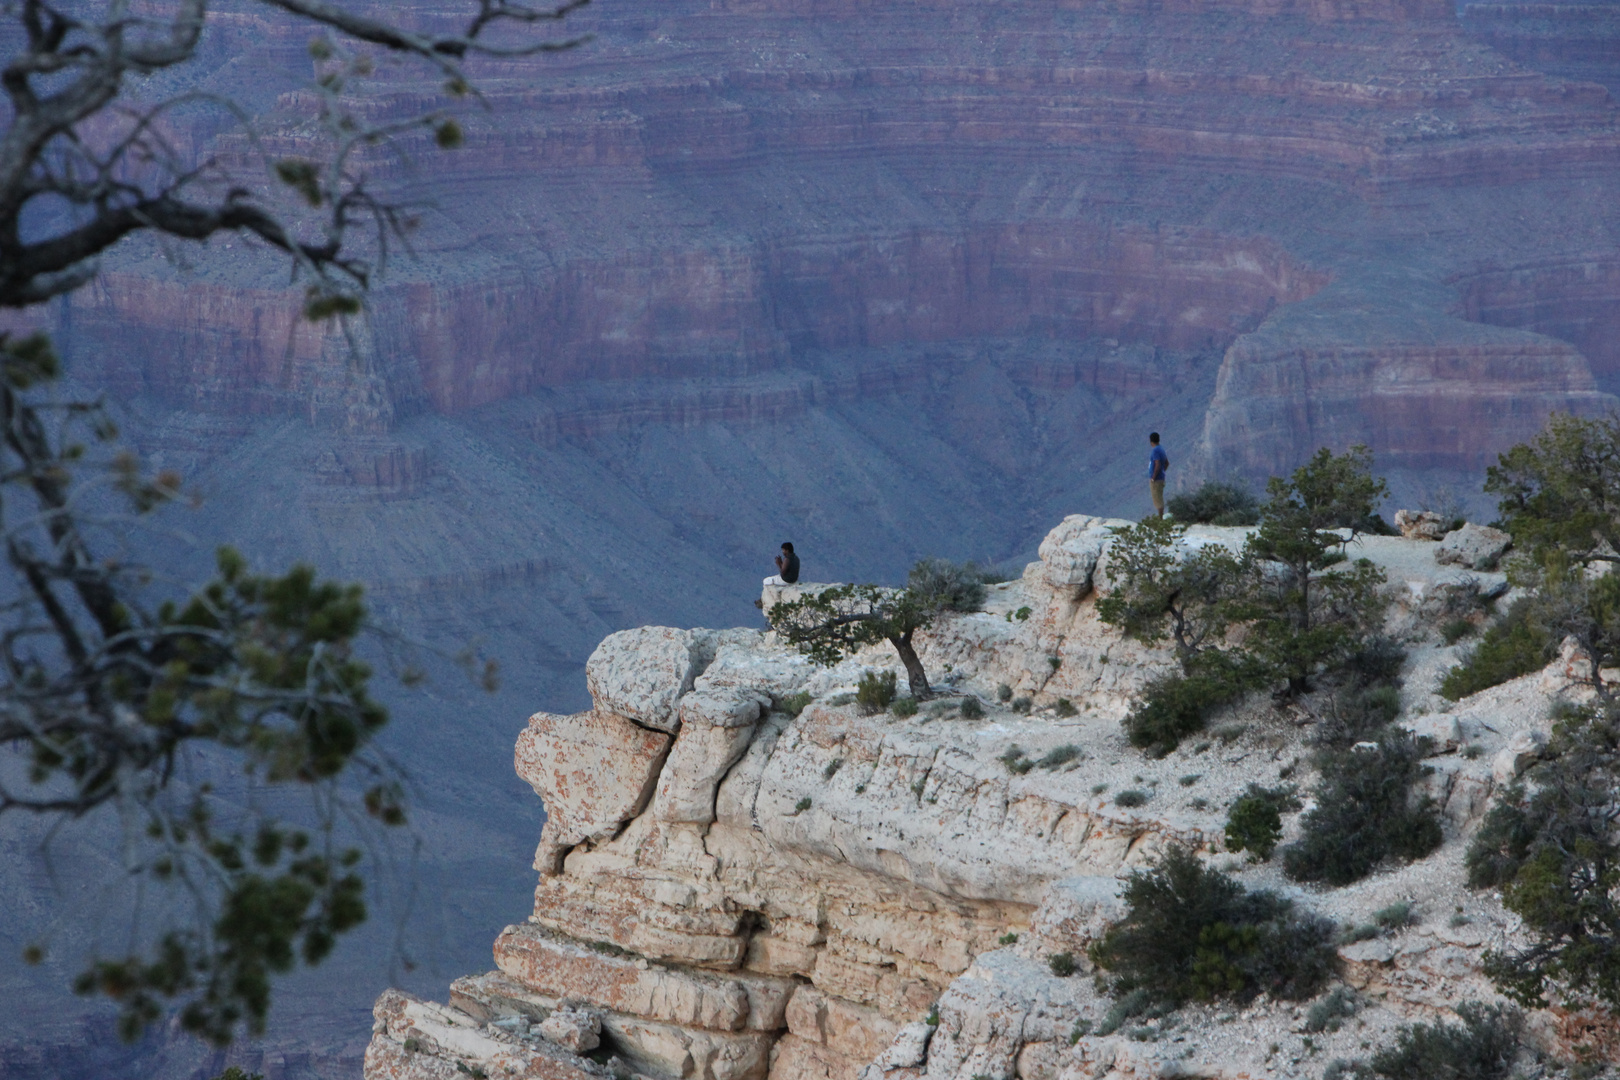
(787, 567)
(1158, 465)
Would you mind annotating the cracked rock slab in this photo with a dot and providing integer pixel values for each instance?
(716, 728)
(594, 771)
(556, 967)
(643, 673)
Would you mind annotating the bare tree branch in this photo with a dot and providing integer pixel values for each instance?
(105, 698)
(73, 70)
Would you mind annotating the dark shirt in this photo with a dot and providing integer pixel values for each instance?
(789, 566)
(1158, 462)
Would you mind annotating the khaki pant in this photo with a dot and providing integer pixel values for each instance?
(1156, 487)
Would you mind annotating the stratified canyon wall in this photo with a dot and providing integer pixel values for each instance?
(738, 885)
(887, 278)
(724, 189)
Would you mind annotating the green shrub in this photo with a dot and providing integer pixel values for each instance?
(1016, 761)
(1065, 707)
(1062, 964)
(1131, 799)
(1376, 662)
(1178, 705)
(1216, 503)
(1059, 756)
(1454, 630)
(948, 585)
(802, 805)
(1385, 920)
(1482, 1047)
(1514, 646)
(1365, 695)
(1396, 916)
(1365, 813)
(1004, 693)
(875, 691)
(1352, 934)
(1357, 714)
(1136, 1003)
(794, 704)
(1254, 822)
(1552, 849)
(1329, 1013)
(971, 709)
(1193, 933)
(906, 706)
(1022, 705)
(832, 768)
(1009, 938)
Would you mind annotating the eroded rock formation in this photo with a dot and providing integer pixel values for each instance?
(730, 891)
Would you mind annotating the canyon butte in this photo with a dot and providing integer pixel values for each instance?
(891, 279)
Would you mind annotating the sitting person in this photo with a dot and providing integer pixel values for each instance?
(787, 567)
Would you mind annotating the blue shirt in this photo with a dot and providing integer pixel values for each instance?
(1158, 462)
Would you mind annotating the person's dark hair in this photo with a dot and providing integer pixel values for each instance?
(1153, 437)
(787, 547)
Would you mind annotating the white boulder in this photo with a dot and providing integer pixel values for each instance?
(1441, 729)
(642, 673)
(1070, 552)
(578, 1031)
(1420, 524)
(775, 670)
(1518, 755)
(1478, 547)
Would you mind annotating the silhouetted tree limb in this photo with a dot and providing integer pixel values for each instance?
(72, 70)
(107, 698)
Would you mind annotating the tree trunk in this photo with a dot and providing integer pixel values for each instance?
(915, 675)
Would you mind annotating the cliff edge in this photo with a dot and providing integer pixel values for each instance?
(733, 890)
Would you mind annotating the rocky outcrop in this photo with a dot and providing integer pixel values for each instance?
(1477, 547)
(1421, 525)
(832, 895)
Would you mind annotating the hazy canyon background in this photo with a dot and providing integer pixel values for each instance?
(888, 278)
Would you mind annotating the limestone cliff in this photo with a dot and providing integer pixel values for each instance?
(730, 891)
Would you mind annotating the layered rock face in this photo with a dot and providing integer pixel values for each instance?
(730, 890)
(717, 190)
(1573, 41)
